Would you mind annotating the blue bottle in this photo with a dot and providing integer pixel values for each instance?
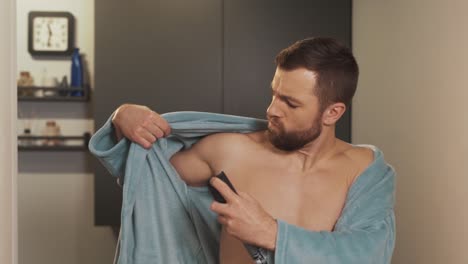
(76, 73)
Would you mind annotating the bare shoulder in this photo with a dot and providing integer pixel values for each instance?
(208, 156)
(225, 145)
(224, 140)
(360, 157)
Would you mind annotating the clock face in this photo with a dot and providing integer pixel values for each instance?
(50, 34)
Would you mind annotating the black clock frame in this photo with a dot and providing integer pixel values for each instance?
(71, 33)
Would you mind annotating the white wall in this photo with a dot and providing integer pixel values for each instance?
(56, 190)
(411, 102)
(8, 159)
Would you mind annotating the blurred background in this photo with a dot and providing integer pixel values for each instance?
(217, 56)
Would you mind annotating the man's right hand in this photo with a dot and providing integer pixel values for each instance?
(139, 124)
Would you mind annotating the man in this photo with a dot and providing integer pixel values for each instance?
(296, 170)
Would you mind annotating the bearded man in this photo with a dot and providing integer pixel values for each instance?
(295, 171)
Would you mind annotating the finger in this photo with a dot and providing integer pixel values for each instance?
(162, 124)
(222, 220)
(155, 130)
(147, 136)
(224, 190)
(142, 142)
(220, 208)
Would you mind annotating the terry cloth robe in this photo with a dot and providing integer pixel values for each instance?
(163, 220)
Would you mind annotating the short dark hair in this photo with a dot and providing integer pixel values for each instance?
(335, 66)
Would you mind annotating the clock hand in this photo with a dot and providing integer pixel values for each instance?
(50, 35)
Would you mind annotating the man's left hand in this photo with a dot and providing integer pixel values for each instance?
(244, 218)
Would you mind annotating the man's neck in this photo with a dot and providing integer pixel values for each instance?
(306, 158)
(322, 148)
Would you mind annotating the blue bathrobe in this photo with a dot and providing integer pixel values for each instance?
(163, 220)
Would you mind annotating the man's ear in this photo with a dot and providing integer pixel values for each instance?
(333, 113)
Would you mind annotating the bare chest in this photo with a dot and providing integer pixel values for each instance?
(313, 202)
(312, 199)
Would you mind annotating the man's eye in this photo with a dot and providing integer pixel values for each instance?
(290, 105)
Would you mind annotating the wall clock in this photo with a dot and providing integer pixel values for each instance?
(51, 33)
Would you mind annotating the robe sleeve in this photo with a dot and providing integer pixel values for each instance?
(111, 154)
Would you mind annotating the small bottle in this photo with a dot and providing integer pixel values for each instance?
(44, 83)
(63, 85)
(25, 83)
(26, 141)
(52, 130)
(76, 73)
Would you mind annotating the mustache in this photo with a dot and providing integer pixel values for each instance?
(273, 123)
(273, 119)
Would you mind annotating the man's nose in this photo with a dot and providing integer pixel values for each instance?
(273, 110)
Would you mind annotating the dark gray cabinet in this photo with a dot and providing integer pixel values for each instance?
(255, 31)
(204, 55)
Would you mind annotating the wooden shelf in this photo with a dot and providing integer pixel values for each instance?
(60, 147)
(59, 94)
(52, 148)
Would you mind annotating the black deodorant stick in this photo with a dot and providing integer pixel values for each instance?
(216, 195)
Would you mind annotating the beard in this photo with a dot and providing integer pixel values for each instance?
(293, 140)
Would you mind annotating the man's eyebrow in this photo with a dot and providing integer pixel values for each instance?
(289, 98)
(286, 97)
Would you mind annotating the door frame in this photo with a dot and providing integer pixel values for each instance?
(8, 140)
